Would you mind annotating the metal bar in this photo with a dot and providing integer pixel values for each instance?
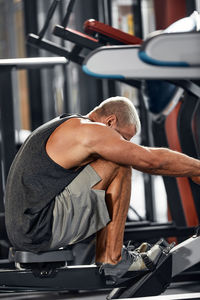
(147, 141)
(6, 123)
(69, 11)
(76, 37)
(68, 278)
(185, 255)
(31, 10)
(187, 296)
(1, 188)
(155, 232)
(188, 86)
(48, 18)
(53, 48)
(32, 62)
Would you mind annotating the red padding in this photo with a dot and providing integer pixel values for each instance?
(92, 26)
(82, 34)
(182, 182)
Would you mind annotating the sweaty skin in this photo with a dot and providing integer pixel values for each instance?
(78, 142)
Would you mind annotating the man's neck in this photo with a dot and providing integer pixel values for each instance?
(93, 117)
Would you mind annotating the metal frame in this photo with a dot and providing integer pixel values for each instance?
(31, 62)
(181, 257)
(171, 263)
(104, 62)
(70, 278)
(7, 143)
(187, 296)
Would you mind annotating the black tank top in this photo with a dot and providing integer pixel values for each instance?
(33, 182)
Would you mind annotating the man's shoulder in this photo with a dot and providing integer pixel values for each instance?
(79, 128)
(83, 123)
(86, 131)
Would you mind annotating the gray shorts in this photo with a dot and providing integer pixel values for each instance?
(79, 210)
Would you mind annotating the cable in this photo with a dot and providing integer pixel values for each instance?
(49, 17)
(69, 11)
(137, 214)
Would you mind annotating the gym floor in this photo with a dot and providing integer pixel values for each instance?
(174, 289)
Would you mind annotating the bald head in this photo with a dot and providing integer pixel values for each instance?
(122, 108)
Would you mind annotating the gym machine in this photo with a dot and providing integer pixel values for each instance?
(172, 93)
(168, 67)
(82, 42)
(48, 271)
(115, 35)
(101, 34)
(104, 62)
(51, 271)
(147, 66)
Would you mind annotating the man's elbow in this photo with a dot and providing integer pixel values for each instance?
(158, 160)
(151, 165)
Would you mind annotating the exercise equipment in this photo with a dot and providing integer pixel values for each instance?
(163, 97)
(146, 65)
(7, 130)
(103, 34)
(104, 63)
(152, 60)
(97, 28)
(31, 62)
(51, 277)
(41, 42)
(171, 264)
(52, 271)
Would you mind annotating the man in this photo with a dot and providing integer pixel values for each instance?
(72, 178)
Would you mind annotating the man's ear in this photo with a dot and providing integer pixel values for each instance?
(111, 121)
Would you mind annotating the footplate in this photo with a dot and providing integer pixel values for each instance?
(153, 283)
(179, 258)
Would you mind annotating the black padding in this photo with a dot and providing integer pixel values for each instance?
(74, 36)
(173, 195)
(30, 257)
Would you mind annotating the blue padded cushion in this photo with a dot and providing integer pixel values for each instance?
(159, 94)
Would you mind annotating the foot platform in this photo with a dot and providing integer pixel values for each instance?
(153, 283)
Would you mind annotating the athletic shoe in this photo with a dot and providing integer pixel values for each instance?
(131, 263)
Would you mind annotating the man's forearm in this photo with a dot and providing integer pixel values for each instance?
(172, 163)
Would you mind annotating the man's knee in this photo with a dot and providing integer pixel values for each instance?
(108, 170)
(109, 166)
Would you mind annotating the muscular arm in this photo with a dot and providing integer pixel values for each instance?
(78, 142)
(159, 161)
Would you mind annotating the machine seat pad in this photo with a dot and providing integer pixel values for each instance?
(74, 36)
(92, 26)
(18, 256)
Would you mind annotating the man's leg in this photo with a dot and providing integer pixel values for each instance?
(116, 181)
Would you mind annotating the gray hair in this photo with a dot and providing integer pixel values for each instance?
(123, 108)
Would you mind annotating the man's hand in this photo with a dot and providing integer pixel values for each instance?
(196, 179)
